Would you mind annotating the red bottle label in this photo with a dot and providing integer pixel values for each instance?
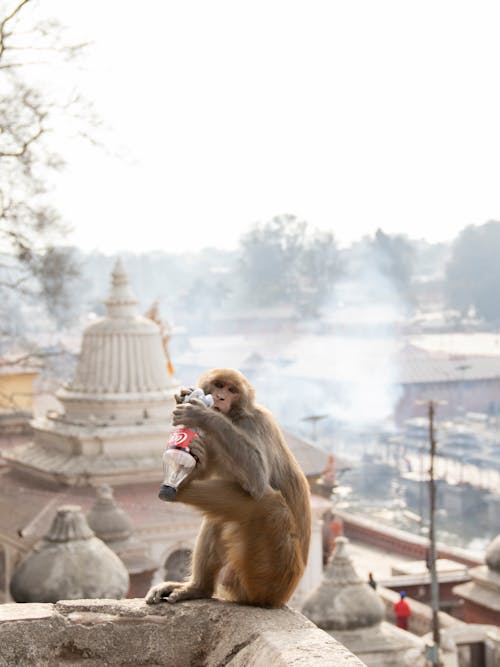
(181, 437)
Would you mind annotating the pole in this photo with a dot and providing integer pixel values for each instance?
(432, 652)
(432, 538)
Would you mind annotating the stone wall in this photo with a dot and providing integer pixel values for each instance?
(475, 613)
(420, 621)
(206, 633)
(395, 541)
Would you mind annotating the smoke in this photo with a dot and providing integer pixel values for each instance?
(346, 374)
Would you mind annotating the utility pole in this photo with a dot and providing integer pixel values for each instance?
(433, 651)
(432, 538)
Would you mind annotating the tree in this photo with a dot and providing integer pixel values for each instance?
(319, 268)
(31, 264)
(394, 257)
(285, 261)
(268, 251)
(473, 272)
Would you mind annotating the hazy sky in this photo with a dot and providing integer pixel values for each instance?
(351, 115)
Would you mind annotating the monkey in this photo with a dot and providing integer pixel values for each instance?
(253, 543)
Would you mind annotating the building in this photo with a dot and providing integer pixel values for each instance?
(111, 430)
(16, 394)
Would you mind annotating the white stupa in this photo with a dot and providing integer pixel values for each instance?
(116, 410)
(69, 563)
(353, 613)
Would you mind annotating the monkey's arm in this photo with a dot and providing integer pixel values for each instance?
(240, 444)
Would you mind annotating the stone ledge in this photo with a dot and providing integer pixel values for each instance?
(202, 633)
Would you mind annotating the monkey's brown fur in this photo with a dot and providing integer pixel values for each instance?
(253, 544)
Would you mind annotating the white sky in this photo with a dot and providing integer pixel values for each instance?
(352, 115)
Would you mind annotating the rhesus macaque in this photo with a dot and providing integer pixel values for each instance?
(254, 540)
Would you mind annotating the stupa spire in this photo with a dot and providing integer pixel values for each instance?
(121, 301)
(69, 524)
(342, 601)
(109, 522)
(116, 409)
(69, 563)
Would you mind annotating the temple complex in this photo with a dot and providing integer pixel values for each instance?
(117, 408)
(102, 452)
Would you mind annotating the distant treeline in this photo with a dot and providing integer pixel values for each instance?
(286, 263)
(283, 265)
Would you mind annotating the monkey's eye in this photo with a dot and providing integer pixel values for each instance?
(218, 384)
(233, 390)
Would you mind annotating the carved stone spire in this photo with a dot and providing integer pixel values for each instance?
(109, 522)
(121, 301)
(69, 524)
(69, 563)
(117, 408)
(121, 353)
(342, 601)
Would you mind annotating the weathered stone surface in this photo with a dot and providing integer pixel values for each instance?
(300, 648)
(11, 612)
(204, 633)
(29, 634)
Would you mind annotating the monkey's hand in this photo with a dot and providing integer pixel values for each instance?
(175, 591)
(191, 414)
(198, 450)
(184, 391)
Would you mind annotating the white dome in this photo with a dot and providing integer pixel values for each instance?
(118, 407)
(493, 555)
(122, 353)
(342, 601)
(69, 563)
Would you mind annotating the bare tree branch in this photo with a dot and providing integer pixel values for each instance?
(33, 268)
(4, 22)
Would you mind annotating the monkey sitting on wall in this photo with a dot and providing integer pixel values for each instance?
(254, 540)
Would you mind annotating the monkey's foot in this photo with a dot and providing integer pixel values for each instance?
(188, 592)
(175, 591)
(161, 591)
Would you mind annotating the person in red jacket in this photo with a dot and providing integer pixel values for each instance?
(402, 611)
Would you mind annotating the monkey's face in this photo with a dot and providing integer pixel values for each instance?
(225, 395)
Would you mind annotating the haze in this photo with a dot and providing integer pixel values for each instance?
(352, 116)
